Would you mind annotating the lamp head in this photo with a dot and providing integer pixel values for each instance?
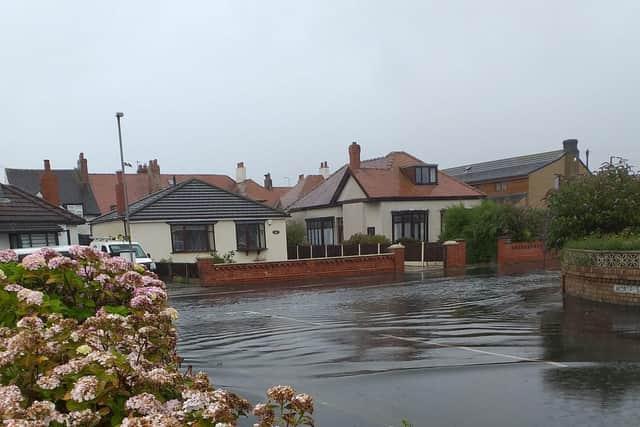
(119, 114)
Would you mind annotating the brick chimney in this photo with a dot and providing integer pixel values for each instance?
(324, 170)
(268, 183)
(241, 173)
(119, 193)
(354, 156)
(570, 146)
(301, 177)
(153, 174)
(83, 169)
(49, 185)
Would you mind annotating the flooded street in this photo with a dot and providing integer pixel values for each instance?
(472, 351)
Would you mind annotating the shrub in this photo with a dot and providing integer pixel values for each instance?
(607, 243)
(481, 226)
(226, 258)
(90, 340)
(296, 233)
(366, 239)
(602, 204)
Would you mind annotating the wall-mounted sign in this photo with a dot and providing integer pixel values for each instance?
(276, 231)
(626, 289)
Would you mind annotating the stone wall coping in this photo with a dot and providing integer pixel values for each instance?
(293, 261)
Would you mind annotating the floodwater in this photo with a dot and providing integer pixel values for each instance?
(476, 351)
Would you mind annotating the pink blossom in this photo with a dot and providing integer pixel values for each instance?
(61, 261)
(47, 253)
(34, 262)
(86, 388)
(30, 297)
(30, 322)
(116, 265)
(152, 281)
(13, 287)
(141, 301)
(131, 278)
(7, 255)
(85, 253)
(86, 271)
(102, 278)
(153, 292)
(144, 404)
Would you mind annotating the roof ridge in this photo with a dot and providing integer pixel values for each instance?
(558, 152)
(236, 194)
(43, 203)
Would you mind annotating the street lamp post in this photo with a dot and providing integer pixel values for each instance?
(127, 228)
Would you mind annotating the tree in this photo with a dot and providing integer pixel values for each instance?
(605, 203)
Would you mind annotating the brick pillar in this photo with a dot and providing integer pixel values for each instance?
(455, 260)
(504, 249)
(398, 257)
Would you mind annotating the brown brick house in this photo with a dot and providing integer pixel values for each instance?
(525, 180)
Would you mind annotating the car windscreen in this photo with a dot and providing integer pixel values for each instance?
(117, 249)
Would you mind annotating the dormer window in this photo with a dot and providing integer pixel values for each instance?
(426, 175)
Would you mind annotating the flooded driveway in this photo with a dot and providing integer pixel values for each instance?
(472, 351)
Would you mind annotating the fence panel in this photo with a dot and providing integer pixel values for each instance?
(433, 252)
(369, 249)
(334, 251)
(413, 251)
(350, 250)
(292, 252)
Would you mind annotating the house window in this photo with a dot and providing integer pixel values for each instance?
(250, 236)
(33, 240)
(501, 186)
(410, 225)
(427, 175)
(76, 209)
(320, 231)
(371, 231)
(340, 227)
(192, 237)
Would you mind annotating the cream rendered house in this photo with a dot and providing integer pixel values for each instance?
(397, 195)
(194, 218)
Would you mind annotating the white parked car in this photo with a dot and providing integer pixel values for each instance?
(123, 248)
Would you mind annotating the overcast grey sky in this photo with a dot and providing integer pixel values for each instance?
(284, 85)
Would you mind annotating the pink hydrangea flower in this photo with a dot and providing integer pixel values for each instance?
(34, 262)
(7, 255)
(47, 253)
(30, 297)
(61, 261)
(86, 388)
(141, 301)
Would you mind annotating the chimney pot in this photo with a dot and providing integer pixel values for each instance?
(324, 169)
(354, 155)
(268, 182)
(301, 177)
(241, 173)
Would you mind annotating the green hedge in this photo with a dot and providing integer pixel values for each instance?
(606, 243)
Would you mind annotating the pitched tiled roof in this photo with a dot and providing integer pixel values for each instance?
(302, 188)
(138, 187)
(382, 178)
(26, 212)
(104, 185)
(504, 168)
(72, 191)
(194, 200)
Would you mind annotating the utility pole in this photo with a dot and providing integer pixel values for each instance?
(127, 227)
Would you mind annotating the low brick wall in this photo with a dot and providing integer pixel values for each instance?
(304, 269)
(607, 282)
(523, 256)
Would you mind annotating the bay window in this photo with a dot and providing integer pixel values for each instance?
(320, 231)
(410, 225)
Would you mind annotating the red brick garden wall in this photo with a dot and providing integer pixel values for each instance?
(604, 284)
(455, 257)
(514, 257)
(216, 274)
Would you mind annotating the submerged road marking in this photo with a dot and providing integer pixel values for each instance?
(424, 341)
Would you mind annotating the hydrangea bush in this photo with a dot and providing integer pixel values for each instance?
(89, 340)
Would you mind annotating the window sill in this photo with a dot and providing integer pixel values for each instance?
(193, 252)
